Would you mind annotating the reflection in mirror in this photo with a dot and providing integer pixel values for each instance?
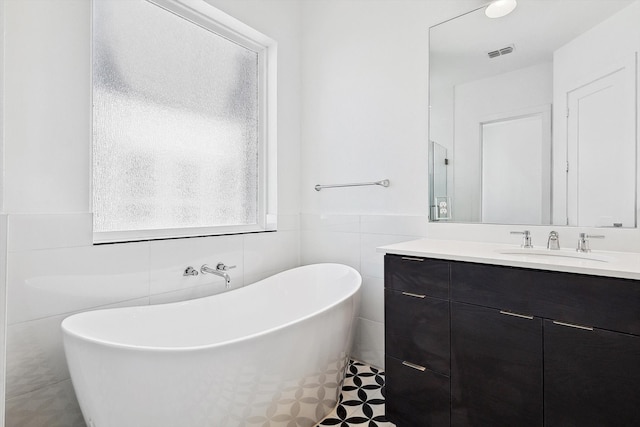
(438, 179)
(536, 114)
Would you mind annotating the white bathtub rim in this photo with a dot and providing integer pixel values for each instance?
(190, 348)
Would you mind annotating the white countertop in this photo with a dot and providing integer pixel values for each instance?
(598, 263)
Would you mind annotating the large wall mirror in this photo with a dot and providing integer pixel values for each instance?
(534, 115)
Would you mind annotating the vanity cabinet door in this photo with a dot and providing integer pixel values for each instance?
(591, 377)
(496, 368)
(417, 330)
(415, 397)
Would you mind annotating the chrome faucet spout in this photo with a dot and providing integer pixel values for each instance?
(218, 271)
(553, 242)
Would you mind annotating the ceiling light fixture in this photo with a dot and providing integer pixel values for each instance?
(500, 8)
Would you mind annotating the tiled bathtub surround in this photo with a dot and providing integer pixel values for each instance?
(352, 240)
(53, 274)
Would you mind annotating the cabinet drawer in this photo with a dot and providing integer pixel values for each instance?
(417, 329)
(604, 302)
(417, 275)
(414, 397)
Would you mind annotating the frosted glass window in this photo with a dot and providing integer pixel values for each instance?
(176, 125)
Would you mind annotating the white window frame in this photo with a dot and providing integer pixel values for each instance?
(208, 17)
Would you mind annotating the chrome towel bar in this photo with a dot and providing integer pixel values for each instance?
(383, 183)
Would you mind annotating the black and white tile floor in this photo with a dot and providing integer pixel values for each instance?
(361, 402)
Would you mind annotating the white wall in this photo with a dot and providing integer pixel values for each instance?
(53, 269)
(352, 240)
(476, 102)
(365, 114)
(365, 102)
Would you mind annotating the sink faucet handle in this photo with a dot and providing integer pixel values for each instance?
(223, 267)
(583, 242)
(526, 238)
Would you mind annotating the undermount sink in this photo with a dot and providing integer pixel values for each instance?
(562, 253)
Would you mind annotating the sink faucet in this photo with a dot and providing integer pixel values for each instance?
(221, 270)
(526, 238)
(583, 243)
(554, 241)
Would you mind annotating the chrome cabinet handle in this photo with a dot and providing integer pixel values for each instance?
(522, 316)
(408, 258)
(571, 325)
(414, 366)
(409, 294)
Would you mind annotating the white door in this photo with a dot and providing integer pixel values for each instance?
(516, 174)
(601, 150)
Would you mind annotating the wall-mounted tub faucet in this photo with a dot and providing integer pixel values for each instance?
(221, 270)
(553, 242)
(526, 238)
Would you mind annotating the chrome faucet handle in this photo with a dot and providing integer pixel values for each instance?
(190, 271)
(223, 267)
(553, 242)
(583, 242)
(526, 238)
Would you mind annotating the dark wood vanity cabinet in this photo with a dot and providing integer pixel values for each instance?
(481, 345)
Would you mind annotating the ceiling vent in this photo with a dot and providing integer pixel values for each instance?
(500, 52)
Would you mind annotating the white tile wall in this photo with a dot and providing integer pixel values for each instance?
(49, 282)
(187, 293)
(289, 222)
(336, 223)
(352, 240)
(3, 302)
(372, 305)
(372, 261)
(329, 246)
(37, 231)
(269, 253)
(400, 225)
(52, 406)
(169, 259)
(53, 274)
(35, 354)
(369, 342)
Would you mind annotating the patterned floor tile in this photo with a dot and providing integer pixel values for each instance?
(362, 399)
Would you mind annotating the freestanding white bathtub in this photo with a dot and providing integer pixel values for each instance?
(273, 353)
